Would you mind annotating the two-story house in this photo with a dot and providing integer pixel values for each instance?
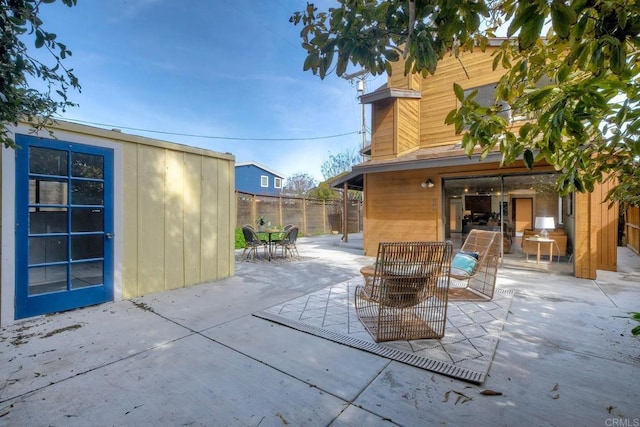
(254, 178)
(420, 185)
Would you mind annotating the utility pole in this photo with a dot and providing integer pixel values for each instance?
(361, 88)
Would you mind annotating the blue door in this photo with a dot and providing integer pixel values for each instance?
(64, 215)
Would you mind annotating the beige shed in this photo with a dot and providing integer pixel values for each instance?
(91, 215)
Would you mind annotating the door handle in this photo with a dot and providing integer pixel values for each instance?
(108, 236)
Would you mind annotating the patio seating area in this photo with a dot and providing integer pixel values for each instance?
(197, 356)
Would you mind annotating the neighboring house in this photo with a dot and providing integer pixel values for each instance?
(254, 178)
(420, 185)
(90, 215)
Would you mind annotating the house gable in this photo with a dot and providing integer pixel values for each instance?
(254, 178)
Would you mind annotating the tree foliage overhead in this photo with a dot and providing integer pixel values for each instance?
(572, 65)
(20, 24)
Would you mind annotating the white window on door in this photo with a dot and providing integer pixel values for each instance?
(264, 181)
(277, 182)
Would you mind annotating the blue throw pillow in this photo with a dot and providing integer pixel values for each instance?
(476, 255)
(464, 262)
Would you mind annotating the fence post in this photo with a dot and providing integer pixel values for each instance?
(324, 216)
(304, 215)
(254, 209)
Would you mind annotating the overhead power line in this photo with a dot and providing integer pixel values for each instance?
(233, 138)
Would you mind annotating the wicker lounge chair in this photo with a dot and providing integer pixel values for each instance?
(406, 298)
(475, 267)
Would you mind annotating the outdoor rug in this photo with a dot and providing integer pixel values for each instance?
(466, 351)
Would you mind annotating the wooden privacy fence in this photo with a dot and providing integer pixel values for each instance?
(632, 228)
(312, 216)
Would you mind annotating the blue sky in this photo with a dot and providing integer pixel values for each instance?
(217, 68)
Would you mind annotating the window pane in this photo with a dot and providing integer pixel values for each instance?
(48, 220)
(47, 192)
(86, 274)
(264, 181)
(47, 249)
(87, 219)
(87, 166)
(86, 247)
(46, 161)
(52, 278)
(87, 193)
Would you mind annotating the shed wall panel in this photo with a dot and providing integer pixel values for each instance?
(192, 219)
(174, 220)
(151, 217)
(225, 222)
(130, 222)
(209, 220)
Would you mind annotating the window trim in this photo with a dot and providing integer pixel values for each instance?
(277, 182)
(264, 181)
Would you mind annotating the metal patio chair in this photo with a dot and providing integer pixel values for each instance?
(252, 242)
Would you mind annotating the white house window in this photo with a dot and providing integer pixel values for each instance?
(264, 181)
(277, 182)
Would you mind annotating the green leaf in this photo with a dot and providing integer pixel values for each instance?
(562, 18)
(39, 39)
(636, 330)
(530, 32)
(528, 158)
(618, 58)
(496, 60)
(563, 73)
(451, 116)
(457, 89)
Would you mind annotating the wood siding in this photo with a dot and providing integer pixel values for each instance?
(395, 209)
(585, 250)
(383, 134)
(408, 125)
(607, 219)
(438, 98)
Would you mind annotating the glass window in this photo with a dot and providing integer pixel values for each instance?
(87, 193)
(264, 181)
(47, 192)
(87, 165)
(51, 278)
(486, 97)
(277, 182)
(45, 161)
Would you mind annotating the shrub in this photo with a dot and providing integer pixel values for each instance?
(240, 242)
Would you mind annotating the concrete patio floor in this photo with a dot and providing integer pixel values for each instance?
(196, 356)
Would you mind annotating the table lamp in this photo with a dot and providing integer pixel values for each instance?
(543, 223)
